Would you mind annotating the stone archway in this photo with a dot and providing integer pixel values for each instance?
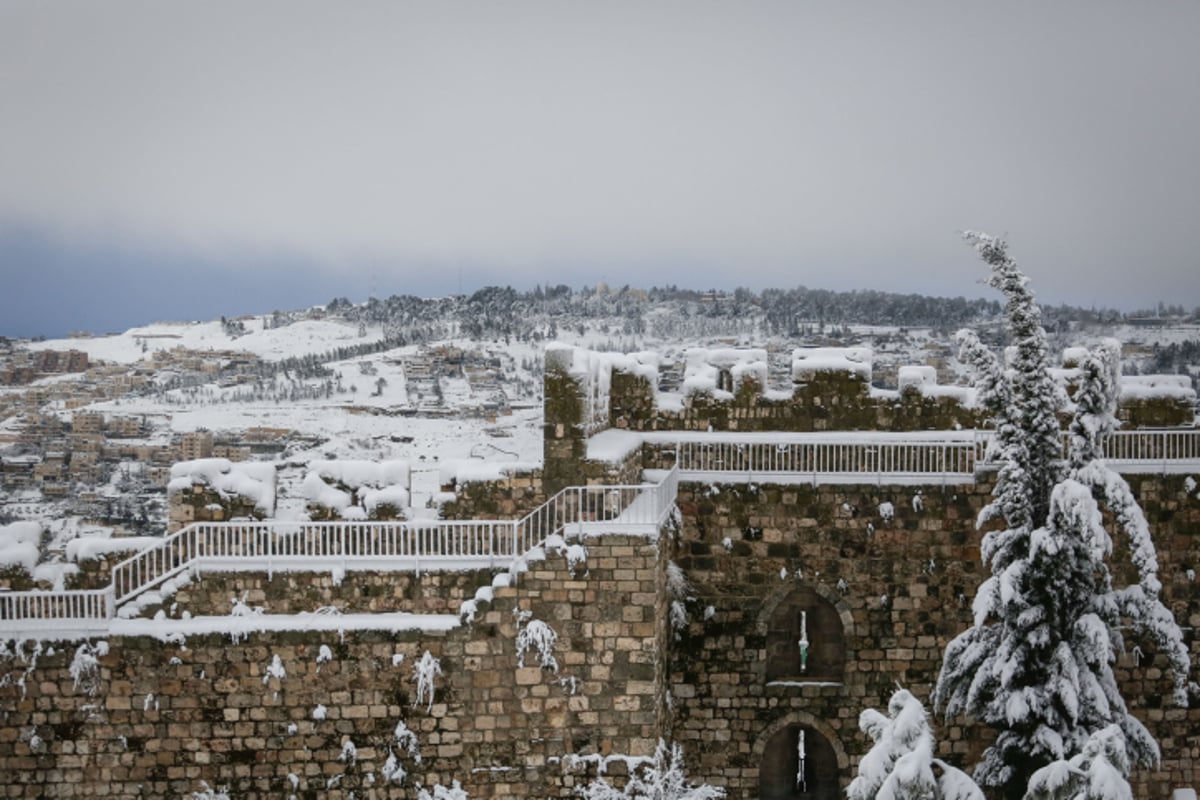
(798, 612)
(778, 754)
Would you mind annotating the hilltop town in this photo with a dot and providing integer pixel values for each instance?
(90, 425)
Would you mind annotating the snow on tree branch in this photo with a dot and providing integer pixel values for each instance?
(425, 673)
(900, 765)
(679, 589)
(661, 779)
(538, 636)
(1036, 664)
(85, 667)
(1097, 773)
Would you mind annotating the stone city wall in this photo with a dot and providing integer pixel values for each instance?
(884, 589)
(167, 719)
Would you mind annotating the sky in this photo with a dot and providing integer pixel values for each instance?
(189, 160)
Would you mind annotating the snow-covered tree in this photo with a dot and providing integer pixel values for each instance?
(1097, 773)
(1037, 662)
(533, 634)
(425, 673)
(662, 779)
(900, 765)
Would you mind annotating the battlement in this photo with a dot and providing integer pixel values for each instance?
(588, 395)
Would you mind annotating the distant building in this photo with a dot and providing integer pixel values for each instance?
(87, 422)
(197, 444)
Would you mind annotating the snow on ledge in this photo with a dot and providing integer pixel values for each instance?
(796, 684)
(254, 480)
(19, 544)
(1074, 356)
(172, 629)
(923, 380)
(596, 367)
(376, 482)
(915, 377)
(703, 368)
(1145, 387)
(613, 446)
(358, 473)
(459, 471)
(85, 548)
(808, 361)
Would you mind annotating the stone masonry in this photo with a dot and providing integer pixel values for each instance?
(165, 719)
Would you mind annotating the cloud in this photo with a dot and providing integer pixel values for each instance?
(760, 143)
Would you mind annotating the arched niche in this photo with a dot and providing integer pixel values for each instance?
(805, 612)
(780, 776)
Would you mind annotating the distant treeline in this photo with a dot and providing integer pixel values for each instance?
(670, 312)
(497, 312)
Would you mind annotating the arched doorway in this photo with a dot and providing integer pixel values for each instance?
(805, 614)
(780, 776)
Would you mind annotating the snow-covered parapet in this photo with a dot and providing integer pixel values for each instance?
(1073, 357)
(808, 362)
(721, 371)
(84, 548)
(358, 489)
(613, 446)
(595, 366)
(593, 372)
(916, 377)
(923, 380)
(19, 545)
(1157, 387)
(460, 471)
(253, 480)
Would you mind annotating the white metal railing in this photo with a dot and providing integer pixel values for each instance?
(1166, 451)
(274, 544)
(416, 545)
(917, 457)
(32, 611)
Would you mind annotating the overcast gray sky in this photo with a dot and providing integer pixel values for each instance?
(267, 154)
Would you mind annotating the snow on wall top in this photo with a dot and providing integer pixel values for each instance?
(702, 370)
(1142, 387)
(19, 544)
(376, 482)
(807, 361)
(254, 480)
(473, 470)
(923, 379)
(594, 372)
(916, 377)
(613, 446)
(595, 366)
(88, 547)
(356, 473)
(1074, 356)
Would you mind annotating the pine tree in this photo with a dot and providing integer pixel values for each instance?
(1097, 773)
(900, 765)
(1037, 663)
